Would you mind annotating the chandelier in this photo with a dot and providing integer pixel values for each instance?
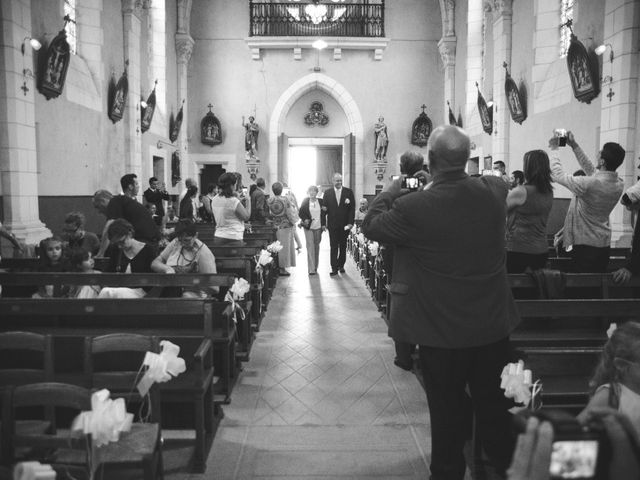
(317, 11)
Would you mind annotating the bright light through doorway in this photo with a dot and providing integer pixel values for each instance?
(302, 170)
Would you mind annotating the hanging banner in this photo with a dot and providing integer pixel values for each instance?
(146, 113)
(486, 113)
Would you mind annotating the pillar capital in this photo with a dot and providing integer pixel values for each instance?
(447, 48)
(184, 47)
(132, 7)
(502, 7)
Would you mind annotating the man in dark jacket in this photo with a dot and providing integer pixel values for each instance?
(451, 296)
(341, 212)
(259, 209)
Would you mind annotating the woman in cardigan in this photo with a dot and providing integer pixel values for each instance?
(313, 218)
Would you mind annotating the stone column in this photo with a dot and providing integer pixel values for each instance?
(18, 152)
(447, 47)
(132, 26)
(502, 20)
(619, 100)
(184, 49)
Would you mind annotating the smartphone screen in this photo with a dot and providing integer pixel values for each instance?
(245, 191)
(574, 459)
(395, 177)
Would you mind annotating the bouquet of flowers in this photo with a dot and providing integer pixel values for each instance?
(373, 248)
(517, 384)
(274, 247)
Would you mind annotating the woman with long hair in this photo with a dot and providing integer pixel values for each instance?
(528, 206)
(229, 212)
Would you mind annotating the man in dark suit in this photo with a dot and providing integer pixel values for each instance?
(259, 208)
(155, 194)
(451, 296)
(341, 212)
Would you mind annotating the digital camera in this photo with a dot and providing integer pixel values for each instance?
(578, 451)
(561, 135)
(409, 183)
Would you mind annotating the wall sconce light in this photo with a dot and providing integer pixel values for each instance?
(26, 72)
(160, 143)
(319, 45)
(35, 44)
(253, 168)
(603, 48)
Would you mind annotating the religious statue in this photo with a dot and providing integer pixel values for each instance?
(382, 140)
(251, 138)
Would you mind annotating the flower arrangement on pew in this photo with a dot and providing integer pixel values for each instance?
(237, 292)
(517, 384)
(361, 238)
(374, 248)
(161, 367)
(274, 247)
(262, 259)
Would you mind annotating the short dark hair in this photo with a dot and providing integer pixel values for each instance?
(126, 180)
(226, 181)
(77, 256)
(153, 179)
(613, 155)
(411, 163)
(211, 187)
(277, 188)
(260, 182)
(119, 228)
(185, 227)
(519, 176)
(76, 218)
(499, 163)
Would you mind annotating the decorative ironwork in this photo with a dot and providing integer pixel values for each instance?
(291, 20)
(515, 99)
(210, 129)
(316, 116)
(421, 129)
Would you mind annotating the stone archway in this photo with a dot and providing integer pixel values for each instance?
(330, 86)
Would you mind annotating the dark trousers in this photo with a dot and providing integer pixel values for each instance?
(446, 373)
(518, 262)
(587, 259)
(338, 242)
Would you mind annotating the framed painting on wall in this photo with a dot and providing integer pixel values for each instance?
(584, 78)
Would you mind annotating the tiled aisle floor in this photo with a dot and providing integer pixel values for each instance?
(320, 397)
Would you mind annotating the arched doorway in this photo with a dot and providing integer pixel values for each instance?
(330, 86)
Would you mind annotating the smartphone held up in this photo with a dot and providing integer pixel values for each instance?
(561, 135)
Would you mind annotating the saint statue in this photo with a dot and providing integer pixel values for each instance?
(382, 140)
(251, 138)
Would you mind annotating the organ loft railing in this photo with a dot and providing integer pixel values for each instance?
(317, 18)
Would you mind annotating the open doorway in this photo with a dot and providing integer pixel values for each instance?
(313, 165)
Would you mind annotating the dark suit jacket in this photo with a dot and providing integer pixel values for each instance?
(259, 208)
(156, 197)
(449, 283)
(339, 215)
(305, 214)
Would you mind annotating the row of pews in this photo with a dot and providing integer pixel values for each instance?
(565, 317)
(214, 335)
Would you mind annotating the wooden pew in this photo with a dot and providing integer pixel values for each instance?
(562, 340)
(217, 325)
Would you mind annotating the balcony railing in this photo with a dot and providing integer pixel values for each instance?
(290, 20)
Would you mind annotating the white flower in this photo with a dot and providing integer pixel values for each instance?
(274, 247)
(347, 201)
(611, 329)
(264, 258)
(240, 288)
(373, 248)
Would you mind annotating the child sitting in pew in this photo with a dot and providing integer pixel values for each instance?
(616, 382)
(81, 260)
(52, 259)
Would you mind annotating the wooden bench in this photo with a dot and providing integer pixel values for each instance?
(561, 341)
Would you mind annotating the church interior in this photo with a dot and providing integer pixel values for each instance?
(295, 91)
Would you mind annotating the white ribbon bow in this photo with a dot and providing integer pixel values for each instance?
(106, 419)
(161, 367)
(264, 258)
(516, 382)
(611, 329)
(274, 247)
(33, 471)
(361, 238)
(373, 248)
(237, 292)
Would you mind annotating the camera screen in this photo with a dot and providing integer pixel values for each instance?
(574, 459)
(411, 183)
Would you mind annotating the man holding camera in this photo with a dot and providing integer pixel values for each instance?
(587, 232)
(450, 295)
